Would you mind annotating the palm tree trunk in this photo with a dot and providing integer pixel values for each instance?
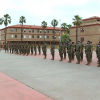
(5, 33)
(76, 35)
(21, 33)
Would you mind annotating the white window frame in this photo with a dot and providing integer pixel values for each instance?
(24, 36)
(12, 36)
(30, 30)
(45, 37)
(24, 30)
(12, 29)
(30, 36)
(40, 37)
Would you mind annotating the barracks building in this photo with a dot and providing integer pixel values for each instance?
(88, 31)
(31, 33)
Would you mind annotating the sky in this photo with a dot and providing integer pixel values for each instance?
(36, 11)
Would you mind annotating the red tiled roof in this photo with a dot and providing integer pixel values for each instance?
(84, 25)
(32, 27)
(94, 17)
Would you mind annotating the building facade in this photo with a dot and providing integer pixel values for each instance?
(88, 31)
(31, 33)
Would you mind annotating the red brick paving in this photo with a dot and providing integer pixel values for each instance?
(11, 89)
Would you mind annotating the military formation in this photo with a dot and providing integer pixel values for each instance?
(64, 48)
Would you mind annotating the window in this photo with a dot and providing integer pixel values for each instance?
(55, 31)
(47, 37)
(37, 31)
(15, 29)
(52, 31)
(37, 36)
(59, 37)
(44, 31)
(15, 36)
(55, 37)
(29, 30)
(32, 36)
(40, 31)
(24, 30)
(24, 36)
(32, 30)
(12, 29)
(12, 36)
(40, 37)
(52, 37)
(82, 29)
(29, 36)
(47, 31)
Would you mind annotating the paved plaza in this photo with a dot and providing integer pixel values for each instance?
(34, 78)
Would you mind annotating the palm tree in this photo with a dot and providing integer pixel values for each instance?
(64, 26)
(68, 30)
(54, 23)
(44, 25)
(22, 20)
(77, 21)
(6, 20)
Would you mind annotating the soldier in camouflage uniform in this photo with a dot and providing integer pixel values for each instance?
(81, 55)
(78, 52)
(25, 48)
(61, 52)
(98, 53)
(35, 49)
(31, 48)
(88, 52)
(52, 50)
(73, 50)
(45, 50)
(10, 47)
(64, 50)
(17, 48)
(69, 51)
(91, 50)
(39, 48)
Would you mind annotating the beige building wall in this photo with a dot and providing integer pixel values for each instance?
(91, 33)
(27, 33)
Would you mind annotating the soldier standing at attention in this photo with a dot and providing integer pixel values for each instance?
(61, 52)
(23, 48)
(31, 49)
(27, 49)
(10, 47)
(88, 51)
(98, 54)
(45, 50)
(19, 48)
(35, 48)
(39, 48)
(78, 52)
(91, 50)
(69, 51)
(52, 51)
(73, 50)
(81, 55)
(64, 47)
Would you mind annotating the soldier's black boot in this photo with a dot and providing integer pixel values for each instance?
(98, 65)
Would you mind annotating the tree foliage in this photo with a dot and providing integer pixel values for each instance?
(65, 38)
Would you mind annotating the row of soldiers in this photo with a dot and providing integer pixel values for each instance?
(25, 48)
(64, 48)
